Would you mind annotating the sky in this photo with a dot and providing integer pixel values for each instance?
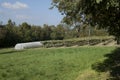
(34, 12)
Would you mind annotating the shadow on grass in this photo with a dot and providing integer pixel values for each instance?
(11, 51)
(111, 64)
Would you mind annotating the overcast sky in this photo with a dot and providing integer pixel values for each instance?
(35, 12)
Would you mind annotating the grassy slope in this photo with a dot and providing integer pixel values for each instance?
(51, 64)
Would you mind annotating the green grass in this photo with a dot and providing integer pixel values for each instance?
(51, 63)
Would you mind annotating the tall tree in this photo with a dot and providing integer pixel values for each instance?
(58, 32)
(36, 33)
(105, 13)
(46, 32)
(25, 32)
(11, 36)
(2, 35)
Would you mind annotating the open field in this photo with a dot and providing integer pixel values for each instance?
(52, 63)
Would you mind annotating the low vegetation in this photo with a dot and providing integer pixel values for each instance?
(79, 41)
(52, 63)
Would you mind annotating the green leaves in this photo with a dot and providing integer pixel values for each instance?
(98, 1)
(105, 13)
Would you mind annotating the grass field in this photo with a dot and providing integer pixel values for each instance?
(52, 63)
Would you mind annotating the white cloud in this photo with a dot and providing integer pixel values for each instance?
(16, 5)
(22, 17)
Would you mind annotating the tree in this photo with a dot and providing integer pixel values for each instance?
(46, 32)
(2, 35)
(11, 37)
(58, 33)
(25, 32)
(36, 33)
(10, 23)
(105, 13)
(25, 26)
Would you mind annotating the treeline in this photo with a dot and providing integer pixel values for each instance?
(10, 33)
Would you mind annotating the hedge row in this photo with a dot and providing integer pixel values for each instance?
(77, 42)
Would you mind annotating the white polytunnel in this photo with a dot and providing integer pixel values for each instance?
(28, 45)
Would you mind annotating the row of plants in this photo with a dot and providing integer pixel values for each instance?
(76, 42)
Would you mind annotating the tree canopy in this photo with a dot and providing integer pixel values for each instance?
(105, 13)
(11, 34)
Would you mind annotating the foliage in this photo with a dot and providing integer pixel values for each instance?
(58, 33)
(11, 34)
(77, 42)
(51, 64)
(2, 35)
(104, 13)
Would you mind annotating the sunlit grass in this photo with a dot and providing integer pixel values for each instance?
(51, 63)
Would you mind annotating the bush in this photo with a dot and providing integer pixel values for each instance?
(74, 42)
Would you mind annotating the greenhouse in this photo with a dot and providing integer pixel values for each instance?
(28, 45)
